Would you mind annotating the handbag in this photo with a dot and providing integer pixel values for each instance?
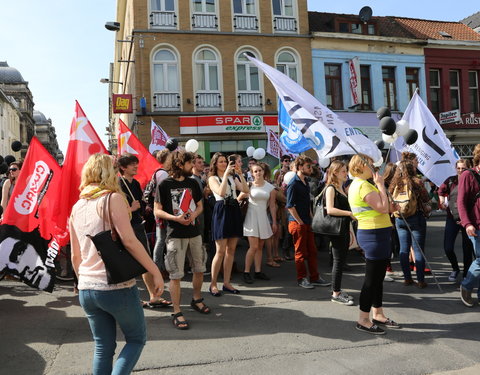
(243, 203)
(120, 265)
(324, 223)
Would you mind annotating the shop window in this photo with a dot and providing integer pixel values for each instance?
(435, 92)
(389, 87)
(333, 84)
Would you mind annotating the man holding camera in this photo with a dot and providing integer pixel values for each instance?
(179, 202)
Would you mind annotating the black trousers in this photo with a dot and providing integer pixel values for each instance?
(372, 289)
(339, 254)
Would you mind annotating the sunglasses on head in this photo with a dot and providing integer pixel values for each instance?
(13, 169)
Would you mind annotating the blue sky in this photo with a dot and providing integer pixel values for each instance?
(62, 48)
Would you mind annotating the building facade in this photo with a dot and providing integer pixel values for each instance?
(184, 63)
(9, 124)
(45, 132)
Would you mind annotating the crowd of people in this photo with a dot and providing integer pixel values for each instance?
(196, 213)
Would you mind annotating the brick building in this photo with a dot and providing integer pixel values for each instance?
(184, 59)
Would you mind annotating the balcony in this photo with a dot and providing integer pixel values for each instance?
(208, 100)
(245, 23)
(163, 101)
(204, 21)
(163, 20)
(249, 101)
(285, 24)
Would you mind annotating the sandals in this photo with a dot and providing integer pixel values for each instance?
(273, 264)
(162, 303)
(179, 324)
(278, 259)
(202, 310)
(389, 323)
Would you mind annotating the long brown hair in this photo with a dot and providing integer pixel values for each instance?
(333, 169)
(390, 169)
(404, 175)
(213, 163)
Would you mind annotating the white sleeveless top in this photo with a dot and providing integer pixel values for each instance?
(91, 272)
(230, 191)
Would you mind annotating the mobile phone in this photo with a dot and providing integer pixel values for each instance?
(231, 159)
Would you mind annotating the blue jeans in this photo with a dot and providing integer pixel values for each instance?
(451, 231)
(418, 225)
(105, 308)
(472, 279)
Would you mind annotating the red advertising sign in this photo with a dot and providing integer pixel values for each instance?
(122, 103)
(227, 124)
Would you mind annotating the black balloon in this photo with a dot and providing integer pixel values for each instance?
(388, 125)
(9, 159)
(171, 144)
(411, 137)
(16, 146)
(383, 112)
(1, 159)
(380, 144)
(3, 168)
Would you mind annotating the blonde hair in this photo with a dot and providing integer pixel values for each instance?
(476, 155)
(357, 163)
(99, 170)
(334, 168)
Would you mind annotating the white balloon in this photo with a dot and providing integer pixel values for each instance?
(379, 162)
(259, 154)
(323, 162)
(250, 151)
(288, 177)
(191, 145)
(389, 138)
(402, 128)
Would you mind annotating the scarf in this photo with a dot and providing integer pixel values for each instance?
(93, 192)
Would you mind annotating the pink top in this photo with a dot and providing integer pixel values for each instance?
(91, 272)
(467, 201)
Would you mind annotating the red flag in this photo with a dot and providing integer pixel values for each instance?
(84, 141)
(37, 189)
(129, 143)
(186, 200)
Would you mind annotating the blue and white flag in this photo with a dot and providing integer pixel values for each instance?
(435, 154)
(301, 114)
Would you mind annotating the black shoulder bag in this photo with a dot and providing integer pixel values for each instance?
(119, 263)
(323, 223)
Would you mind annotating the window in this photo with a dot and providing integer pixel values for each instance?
(248, 83)
(204, 16)
(244, 6)
(207, 87)
(283, 7)
(204, 6)
(347, 26)
(356, 28)
(366, 101)
(287, 64)
(473, 91)
(454, 89)
(412, 80)
(166, 80)
(389, 90)
(244, 18)
(435, 100)
(333, 83)
(163, 5)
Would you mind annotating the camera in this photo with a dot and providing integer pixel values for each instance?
(230, 201)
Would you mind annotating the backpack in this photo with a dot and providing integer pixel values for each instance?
(150, 189)
(407, 201)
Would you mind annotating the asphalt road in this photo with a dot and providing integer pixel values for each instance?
(272, 327)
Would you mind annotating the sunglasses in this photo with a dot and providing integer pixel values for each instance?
(13, 169)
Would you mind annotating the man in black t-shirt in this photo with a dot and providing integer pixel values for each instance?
(178, 201)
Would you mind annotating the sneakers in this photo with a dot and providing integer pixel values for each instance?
(247, 278)
(261, 276)
(320, 282)
(343, 299)
(453, 276)
(466, 296)
(388, 278)
(304, 283)
(346, 295)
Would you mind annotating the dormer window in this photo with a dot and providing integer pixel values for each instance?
(354, 27)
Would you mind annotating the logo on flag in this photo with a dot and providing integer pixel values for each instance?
(159, 138)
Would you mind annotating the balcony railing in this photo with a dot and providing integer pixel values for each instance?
(250, 100)
(245, 23)
(208, 100)
(204, 21)
(285, 24)
(163, 101)
(163, 20)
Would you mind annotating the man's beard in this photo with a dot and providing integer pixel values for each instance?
(187, 173)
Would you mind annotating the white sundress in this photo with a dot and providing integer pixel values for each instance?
(256, 222)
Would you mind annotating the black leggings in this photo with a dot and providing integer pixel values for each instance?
(339, 253)
(372, 289)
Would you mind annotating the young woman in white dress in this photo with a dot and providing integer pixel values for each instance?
(257, 227)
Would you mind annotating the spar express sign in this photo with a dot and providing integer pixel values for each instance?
(227, 124)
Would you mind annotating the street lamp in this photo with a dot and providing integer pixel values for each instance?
(106, 80)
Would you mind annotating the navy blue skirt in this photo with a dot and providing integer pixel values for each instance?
(375, 242)
(227, 221)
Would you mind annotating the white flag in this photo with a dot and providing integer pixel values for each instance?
(355, 81)
(159, 138)
(321, 127)
(436, 157)
(275, 147)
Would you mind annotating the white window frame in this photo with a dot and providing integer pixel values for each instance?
(204, 14)
(282, 9)
(206, 64)
(438, 88)
(162, 5)
(248, 66)
(297, 64)
(473, 88)
(165, 63)
(247, 17)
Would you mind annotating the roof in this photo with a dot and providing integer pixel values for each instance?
(386, 26)
(472, 21)
(9, 74)
(39, 117)
(439, 30)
